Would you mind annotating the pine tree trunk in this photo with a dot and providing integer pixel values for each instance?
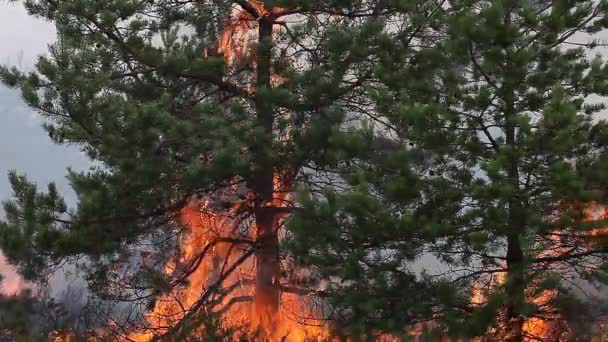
(267, 269)
(267, 291)
(515, 290)
(516, 221)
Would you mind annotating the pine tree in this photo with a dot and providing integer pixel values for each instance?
(366, 236)
(168, 116)
(514, 164)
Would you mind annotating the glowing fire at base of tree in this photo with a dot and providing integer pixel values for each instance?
(550, 325)
(218, 259)
(534, 328)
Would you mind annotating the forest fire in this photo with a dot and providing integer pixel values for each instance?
(223, 273)
(447, 159)
(549, 325)
(217, 253)
(534, 328)
(222, 270)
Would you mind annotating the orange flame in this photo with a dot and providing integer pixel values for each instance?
(534, 328)
(215, 234)
(12, 283)
(550, 327)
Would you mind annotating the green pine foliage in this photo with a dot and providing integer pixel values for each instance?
(496, 149)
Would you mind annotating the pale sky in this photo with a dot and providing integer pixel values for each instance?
(24, 145)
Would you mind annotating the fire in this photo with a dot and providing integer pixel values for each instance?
(12, 283)
(534, 328)
(60, 336)
(215, 259)
(216, 251)
(550, 326)
(217, 235)
(238, 37)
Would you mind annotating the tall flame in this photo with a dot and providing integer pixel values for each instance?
(214, 234)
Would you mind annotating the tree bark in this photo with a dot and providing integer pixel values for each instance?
(515, 289)
(267, 291)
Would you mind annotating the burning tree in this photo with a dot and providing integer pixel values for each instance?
(515, 152)
(202, 118)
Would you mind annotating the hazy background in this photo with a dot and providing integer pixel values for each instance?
(24, 146)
